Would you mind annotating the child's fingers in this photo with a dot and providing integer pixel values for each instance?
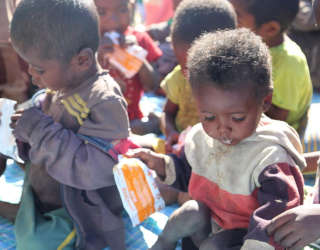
(278, 222)
(283, 232)
(15, 117)
(298, 245)
(290, 240)
(106, 43)
(140, 153)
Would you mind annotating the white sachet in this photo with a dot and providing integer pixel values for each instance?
(8, 144)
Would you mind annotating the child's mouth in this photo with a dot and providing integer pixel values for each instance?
(226, 140)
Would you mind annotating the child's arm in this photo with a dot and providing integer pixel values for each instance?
(168, 124)
(148, 76)
(172, 170)
(316, 8)
(296, 227)
(281, 188)
(67, 158)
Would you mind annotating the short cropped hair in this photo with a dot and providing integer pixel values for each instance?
(281, 11)
(194, 17)
(230, 60)
(57, 29)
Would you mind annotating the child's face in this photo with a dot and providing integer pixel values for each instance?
(228, 116)
(50, 73)
(245, 19)
(181, 53)
(114, 15)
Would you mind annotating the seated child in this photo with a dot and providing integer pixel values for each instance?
(71, 137)
(240, 164)
(290, 73)
(160, 32)
(115, 16)
(191, 19)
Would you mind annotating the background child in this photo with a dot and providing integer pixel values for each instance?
(290, 73)
(71, 142)
(191, 19)
(245, 166)
(115, 16)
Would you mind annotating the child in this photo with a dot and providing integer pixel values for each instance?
(292, 85)
(191, 19)
(72, 135)
(244, 166)
(115, 16)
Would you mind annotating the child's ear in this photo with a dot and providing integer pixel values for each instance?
(270, 29)
(84, 59)
(267, 101)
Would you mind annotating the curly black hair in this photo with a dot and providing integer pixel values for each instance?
(192, 18)
(230, 60)
(281, 11)
(57, 29)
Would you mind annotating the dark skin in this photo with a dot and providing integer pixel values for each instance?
(271, 34)
(3, 162)
(171, 109)
(168, 124)
(316, 8)
(296, 227)
(115, 16)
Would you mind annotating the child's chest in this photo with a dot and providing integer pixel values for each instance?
(70, 111)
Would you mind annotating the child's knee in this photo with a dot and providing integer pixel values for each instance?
(195, 214)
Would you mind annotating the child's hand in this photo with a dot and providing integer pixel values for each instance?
(172, 139)
(153, 160)
(296, 227)
(105, 48)
(15, 117)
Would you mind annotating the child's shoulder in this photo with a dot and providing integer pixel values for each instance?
(104, 85)
(288, 54)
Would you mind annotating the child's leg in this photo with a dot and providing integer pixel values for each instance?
(225, 240)
(151, 124)
(192, 218)
(3, 163)
(8, 210)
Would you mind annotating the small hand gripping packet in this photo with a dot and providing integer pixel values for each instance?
(128, 60)
(138, 190)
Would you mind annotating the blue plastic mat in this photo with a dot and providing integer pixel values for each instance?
(140, 237)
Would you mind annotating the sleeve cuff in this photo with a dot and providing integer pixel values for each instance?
(170, 170)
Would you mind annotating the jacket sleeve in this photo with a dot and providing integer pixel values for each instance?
(281, 188)
(178, 172)
(68, 158)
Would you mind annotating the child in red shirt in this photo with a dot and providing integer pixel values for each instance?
(115, 16)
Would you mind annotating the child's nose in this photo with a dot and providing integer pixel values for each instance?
(113, 22)
(224, 128)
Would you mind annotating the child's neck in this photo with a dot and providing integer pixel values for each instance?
(82, 78)
(275, 41)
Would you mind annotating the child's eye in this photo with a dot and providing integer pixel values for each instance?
(238, 119)
(209, 118)
(40, 71)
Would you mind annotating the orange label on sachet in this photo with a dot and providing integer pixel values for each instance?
(138, 190)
